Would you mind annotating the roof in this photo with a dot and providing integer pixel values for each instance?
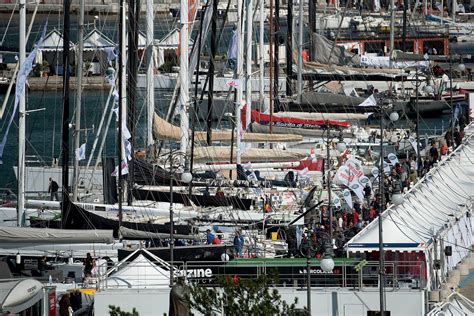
(97, 40)
(171, 40)
(438, 205)
(141, 272)
(53, 41)
(16, 296)
(455, 304)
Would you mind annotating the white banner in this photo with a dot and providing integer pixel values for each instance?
(355, 167)
(357, 188)
(393, 158)
(348, 197)
(343, 175)
(413, 143)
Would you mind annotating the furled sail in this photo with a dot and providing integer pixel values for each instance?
(222, 153)
(35, 236)
(167, 131)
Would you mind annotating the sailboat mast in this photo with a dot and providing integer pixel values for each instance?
(270, 63)
(21, 121)
(289, 48)
(132, 68)
(300, 51)
(150, 88)
(262, 56)
(392, 30)
(65, 118)
(77, 124)
(248, 63)
(184, 77)
(276, 59)
(240, 54)
(121, 106)
(210, 91)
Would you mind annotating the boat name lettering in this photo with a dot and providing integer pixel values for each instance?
(197, 273)
(315, 271)
(31, 289)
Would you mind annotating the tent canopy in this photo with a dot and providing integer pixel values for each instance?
(437, 204)
(97, 40)
(140, 273)
(16, 296)
(53, 41)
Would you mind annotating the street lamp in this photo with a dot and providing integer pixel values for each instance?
(393, 117)
(327, 262)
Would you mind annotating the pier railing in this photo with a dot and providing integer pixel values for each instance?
(351, 274)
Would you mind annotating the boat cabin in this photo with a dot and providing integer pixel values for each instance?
(432, 45)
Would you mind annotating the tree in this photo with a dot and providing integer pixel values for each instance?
(116, 311)
(237, 296)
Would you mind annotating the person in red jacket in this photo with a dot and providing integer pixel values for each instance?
(355, 218)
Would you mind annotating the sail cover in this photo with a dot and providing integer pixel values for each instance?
(13, 236)
(291, 122)
(167, 131)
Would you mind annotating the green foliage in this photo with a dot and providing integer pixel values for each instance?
(249, 297)
(116, 311)
(167, 67)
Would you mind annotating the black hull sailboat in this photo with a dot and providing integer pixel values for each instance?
(197, 199)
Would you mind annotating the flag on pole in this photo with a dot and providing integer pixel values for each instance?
(81, 152)
(347, 197)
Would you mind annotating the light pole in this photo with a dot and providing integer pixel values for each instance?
(186, 177)
(393, 117)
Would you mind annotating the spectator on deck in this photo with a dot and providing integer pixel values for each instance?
(238, 244)
(209, 237)
(53, 189)
(88, 265)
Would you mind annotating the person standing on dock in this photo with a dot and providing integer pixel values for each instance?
(53, 189)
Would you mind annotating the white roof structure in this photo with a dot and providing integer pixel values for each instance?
(53, 41)
(437, 206)
(455, 305)
(140, 273)
(171, 40)
(97, 40)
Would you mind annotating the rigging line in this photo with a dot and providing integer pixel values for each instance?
(435, 206)
(424, 211)
(451, 189)
(8, 24)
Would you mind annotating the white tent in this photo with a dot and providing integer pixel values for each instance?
(97, 40)
(455, 305)
(435, 214)
(96, 45)
(140, 273)
(168, 43)
(52, 48)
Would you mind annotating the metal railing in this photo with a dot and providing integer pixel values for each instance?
(287, 272)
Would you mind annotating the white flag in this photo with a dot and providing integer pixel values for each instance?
(370, 101)
(413, 143)
(336, 201)
(393, 158)
(81, 152)
(357, 188)
(124, 169)
(348, 197)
